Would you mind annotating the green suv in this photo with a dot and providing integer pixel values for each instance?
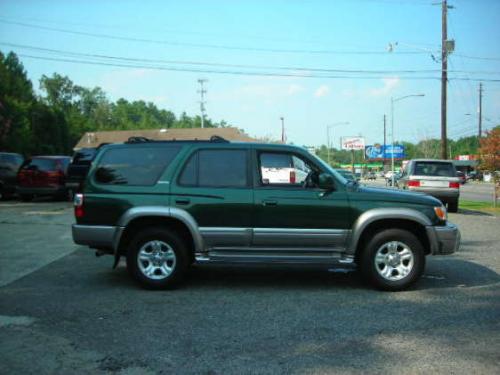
(167, 205)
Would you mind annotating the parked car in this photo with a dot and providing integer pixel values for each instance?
(42, 176)
(278, 168)
(475, 176)
(461, 177)
(166, 205)
(78, 168)
(348, 175)
(434, 177)
(370, 176)
(396, 178)
(9, 165)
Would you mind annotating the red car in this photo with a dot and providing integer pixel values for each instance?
(43, 176)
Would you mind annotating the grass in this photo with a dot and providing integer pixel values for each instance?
(479, 206)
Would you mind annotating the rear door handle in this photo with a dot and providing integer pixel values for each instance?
(182, 201)
(269, 202)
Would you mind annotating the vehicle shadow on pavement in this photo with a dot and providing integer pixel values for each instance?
(441, 272)
(467, 212)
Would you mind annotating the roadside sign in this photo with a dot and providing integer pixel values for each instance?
(352, 143)
(381, 152)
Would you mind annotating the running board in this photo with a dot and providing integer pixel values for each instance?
(226, 257)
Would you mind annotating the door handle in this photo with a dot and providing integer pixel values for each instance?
(182, 201)
(269, 202)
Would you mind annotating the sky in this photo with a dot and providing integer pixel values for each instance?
(292, 42)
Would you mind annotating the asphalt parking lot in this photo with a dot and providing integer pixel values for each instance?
(63, 311)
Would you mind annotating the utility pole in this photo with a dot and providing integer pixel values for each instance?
(385, 140)
(480, 109)
(202, 92)
(283, 137)
(444, 78)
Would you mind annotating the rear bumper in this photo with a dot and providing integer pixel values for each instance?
(97, 236)
(72, 185)
(41, 190)
(444, 240)
(441, 194)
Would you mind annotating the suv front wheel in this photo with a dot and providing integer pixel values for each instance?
(392, 260)
(157, 258)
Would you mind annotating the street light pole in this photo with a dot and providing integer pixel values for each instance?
(392, 128)
(328, 145)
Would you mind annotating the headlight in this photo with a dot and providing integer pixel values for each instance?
(441, 213)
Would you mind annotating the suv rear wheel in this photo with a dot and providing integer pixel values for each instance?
(392, 260)
(157, 258)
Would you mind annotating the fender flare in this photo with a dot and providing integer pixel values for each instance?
(376, 214)
(171, 212)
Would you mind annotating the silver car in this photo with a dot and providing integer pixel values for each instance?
(434, 177)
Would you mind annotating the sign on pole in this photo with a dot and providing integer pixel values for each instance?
(381, 152)
(352, 143)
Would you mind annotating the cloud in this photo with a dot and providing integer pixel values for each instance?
(389, 84)
(323, 90)
(294, 89)
(269, 90)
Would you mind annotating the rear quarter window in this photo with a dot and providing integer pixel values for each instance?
(138, 166)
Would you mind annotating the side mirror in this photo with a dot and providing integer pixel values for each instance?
(326, 182)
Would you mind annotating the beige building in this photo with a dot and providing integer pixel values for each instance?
(94, 139)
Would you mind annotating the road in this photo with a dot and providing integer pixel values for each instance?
(64, 311)
(471, 191)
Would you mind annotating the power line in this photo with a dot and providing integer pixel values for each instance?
(200, 45)
(242, 73)
(292, 69)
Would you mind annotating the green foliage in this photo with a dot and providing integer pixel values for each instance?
(54, 122)
(16, 101)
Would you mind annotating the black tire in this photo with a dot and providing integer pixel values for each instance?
(173, 243)
(453, 206)
(369, 266)
(26, 197)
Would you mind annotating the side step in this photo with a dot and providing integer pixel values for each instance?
(323, 259)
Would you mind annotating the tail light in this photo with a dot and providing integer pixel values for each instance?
(78, 204)
(413, 183)
(56, 176)
(292, 177)
(454, 185)
(21, 176)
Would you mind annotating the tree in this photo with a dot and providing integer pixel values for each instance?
(490, 150)
(16, 100)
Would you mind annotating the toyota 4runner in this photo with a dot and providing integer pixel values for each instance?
(166, 205)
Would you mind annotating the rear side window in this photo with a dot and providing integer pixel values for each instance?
(134, 165)
(216, 168)
(10, 161)
(432, 168)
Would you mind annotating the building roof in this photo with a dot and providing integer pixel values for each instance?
(466, 163)
(94, 139)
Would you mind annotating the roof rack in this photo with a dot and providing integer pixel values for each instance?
(138, 140)
(213, 139)
(217, 138)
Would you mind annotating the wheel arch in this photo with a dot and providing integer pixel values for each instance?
(170, 217)
(385, 218)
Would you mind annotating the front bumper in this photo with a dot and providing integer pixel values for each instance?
(97, 236)
(444, 240)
